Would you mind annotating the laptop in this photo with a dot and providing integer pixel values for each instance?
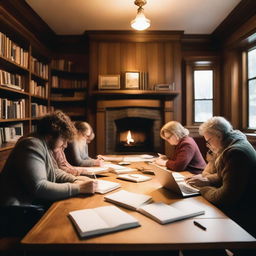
(167, 180)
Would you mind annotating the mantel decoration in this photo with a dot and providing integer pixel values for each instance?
(140, 22)
(132, 80)
(109, 82)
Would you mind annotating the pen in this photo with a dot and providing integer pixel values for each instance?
(199, 225)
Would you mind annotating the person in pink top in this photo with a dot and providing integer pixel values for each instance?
(186, 155)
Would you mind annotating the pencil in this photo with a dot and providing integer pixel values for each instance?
(199, 225)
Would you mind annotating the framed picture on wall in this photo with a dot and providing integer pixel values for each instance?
(109, 82)
(132, 80)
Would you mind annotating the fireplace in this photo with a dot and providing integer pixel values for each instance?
(144, 125)
(138, 119)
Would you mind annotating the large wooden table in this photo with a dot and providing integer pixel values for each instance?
(56, 232)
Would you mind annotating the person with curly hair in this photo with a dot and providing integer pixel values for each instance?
(30, 175)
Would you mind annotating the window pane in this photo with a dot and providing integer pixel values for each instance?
(203, 110)
(252, 63)
(203, 84)
(252, 103)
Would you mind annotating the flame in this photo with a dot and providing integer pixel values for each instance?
(129, 137)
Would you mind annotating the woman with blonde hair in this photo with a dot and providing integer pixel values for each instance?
(187, 155)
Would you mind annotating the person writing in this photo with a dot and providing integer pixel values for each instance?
(232, 184)
(30, 176)
(77, 149)
(187, 155)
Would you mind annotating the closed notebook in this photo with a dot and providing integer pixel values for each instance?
(128, 199)
(105, 186)
(101, 220)
(133, 177)
(123, 170)
(95, 170)
(164, 213)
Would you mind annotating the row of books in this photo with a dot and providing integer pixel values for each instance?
(38, 110)
(39, 68)
(61, 64)
(12, 80)
(68, 83)
(143, 81)
(12, 51)
(11, 133)
(12, 109)
(39, 90)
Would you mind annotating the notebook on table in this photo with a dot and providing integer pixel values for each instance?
(158, 211)
(167, 180)
(91, 222)
(105, 186)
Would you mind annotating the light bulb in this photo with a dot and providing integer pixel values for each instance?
(140, 22)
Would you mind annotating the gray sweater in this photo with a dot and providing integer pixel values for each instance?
(77, 154)
(29, 175)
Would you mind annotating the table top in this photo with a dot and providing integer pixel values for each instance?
(55, 230)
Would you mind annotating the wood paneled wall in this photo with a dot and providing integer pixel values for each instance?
(155, 52)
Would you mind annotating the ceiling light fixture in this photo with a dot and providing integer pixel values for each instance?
(140, 22)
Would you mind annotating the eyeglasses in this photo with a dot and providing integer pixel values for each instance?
(208, 142)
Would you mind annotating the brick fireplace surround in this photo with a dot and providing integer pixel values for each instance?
(160, 110)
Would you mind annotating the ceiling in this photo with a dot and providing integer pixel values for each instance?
(74, 17)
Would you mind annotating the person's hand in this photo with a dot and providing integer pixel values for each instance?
(197, 181)
(98, 162)
(160, 161)
(161, 156)
(87, 186)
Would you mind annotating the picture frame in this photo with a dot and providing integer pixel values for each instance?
(109, 82)
(132, 80)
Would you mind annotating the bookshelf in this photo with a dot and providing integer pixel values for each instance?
(68, 87)
(24, 85)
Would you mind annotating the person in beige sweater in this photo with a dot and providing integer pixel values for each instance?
(229, 180)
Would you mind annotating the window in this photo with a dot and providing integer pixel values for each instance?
(203, 95)
(251, 83)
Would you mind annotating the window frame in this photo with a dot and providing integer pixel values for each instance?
(201, 68)
(200, 63)
(247, 80)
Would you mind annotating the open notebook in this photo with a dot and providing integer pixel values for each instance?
(158, 211)
(91, 222)
(105, 186)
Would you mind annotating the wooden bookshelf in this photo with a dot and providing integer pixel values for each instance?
(68, 87)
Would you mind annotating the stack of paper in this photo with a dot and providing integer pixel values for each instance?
(133, 177)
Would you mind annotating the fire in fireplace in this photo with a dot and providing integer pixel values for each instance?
(134, 134)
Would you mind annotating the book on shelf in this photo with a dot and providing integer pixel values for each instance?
(105, 186)
(158, 211)
(164, 213)
(128, 199)
(11, 133)
(96, 221)
(134, 177)
(165, 87)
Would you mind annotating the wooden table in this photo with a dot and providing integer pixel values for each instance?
(56, 232)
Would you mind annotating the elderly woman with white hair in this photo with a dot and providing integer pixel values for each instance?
(187, 155)
(233, 186)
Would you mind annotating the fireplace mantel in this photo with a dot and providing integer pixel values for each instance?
(135, 94)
